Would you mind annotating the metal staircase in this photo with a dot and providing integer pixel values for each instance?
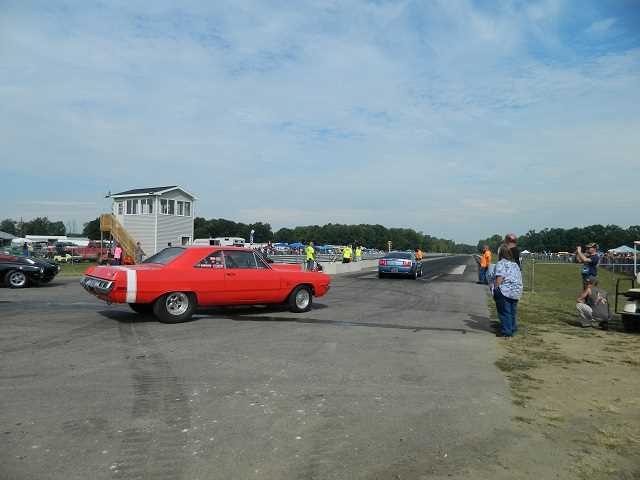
(109, 223)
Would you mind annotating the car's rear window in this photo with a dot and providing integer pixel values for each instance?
(165, 256)
(404, 255)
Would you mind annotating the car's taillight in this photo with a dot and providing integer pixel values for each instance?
(382, 262)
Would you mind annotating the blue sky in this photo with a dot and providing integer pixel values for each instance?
(457, 118)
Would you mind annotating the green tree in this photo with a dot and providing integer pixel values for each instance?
(91, 229)
(9, 226)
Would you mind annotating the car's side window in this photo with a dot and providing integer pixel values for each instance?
(261, 263)
(239, 259)
(213, 260)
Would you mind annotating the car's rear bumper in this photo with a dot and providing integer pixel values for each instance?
(99, 287)
(395, 270)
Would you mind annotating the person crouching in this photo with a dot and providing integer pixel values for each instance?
(593, 305)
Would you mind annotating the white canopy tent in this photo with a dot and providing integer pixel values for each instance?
(623, 249)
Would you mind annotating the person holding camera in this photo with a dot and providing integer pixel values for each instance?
(589, 260)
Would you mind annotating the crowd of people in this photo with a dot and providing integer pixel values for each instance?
(506, 286)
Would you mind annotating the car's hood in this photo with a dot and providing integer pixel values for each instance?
(25, 260)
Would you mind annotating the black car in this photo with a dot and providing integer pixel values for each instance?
(19, 272)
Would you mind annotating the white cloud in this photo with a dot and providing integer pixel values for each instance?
(600, 27)
(401, 113)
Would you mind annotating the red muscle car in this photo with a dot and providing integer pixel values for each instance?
(176, 280)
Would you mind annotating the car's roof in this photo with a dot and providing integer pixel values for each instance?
(200, 247)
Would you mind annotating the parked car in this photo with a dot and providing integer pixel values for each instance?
(67, 258)
(19, 272)
(176, 280)
(400, 263)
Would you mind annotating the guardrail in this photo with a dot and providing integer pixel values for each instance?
(336, 258)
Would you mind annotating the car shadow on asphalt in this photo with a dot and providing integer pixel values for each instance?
(256, 314)
(231, 312)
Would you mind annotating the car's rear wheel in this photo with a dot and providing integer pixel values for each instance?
(630, 323)
(414, 275)
(16, 279)
(174, 307)
(141, 307)
(300, 299)
(381, 275)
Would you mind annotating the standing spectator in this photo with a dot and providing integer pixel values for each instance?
(25, 249)
(139, 253)
(311, 256)
(347, 253)
(507, 291)
(589, 262)
(512, 242)
(593, 305)
(485, 261)
(358, 253)
(117, 255)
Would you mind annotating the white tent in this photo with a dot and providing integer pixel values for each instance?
(20, 241)
(623, 249)
(525, 252)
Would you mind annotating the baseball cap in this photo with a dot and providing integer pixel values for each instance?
(591, 245)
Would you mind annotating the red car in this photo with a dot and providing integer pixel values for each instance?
(172, 283)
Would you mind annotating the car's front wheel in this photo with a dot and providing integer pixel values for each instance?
(300, 299)
(16, 279)
(174, 307)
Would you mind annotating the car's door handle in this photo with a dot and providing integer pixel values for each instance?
(231, 274)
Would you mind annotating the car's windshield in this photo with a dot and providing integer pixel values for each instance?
(165, 256)
(405, 255)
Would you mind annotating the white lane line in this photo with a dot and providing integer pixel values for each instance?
(434, 277)
(459, 270)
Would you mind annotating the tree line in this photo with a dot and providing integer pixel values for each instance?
(37, 226)
(566, 240)
(374, 236)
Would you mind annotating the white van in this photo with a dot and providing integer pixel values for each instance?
(221, 241)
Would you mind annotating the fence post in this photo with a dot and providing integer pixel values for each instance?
(533, 276)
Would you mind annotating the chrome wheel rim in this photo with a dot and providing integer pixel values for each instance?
(302, 298)
(17, 279)
(177, 303)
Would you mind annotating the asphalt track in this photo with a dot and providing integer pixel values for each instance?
(384, 378)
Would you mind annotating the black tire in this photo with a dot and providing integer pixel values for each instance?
(300, 299)
(174, 307)
(143, 308)
(381, 275)
(414, 275)
(631, 323)
(16, 279)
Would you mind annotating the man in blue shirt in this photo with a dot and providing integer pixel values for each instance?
(589, 262)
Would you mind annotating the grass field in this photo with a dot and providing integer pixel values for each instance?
(73, 269)
(577, 387)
